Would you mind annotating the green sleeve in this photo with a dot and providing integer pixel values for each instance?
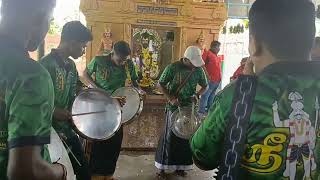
(207, 141)
(92, 66)
(133, 73)
(31, 110)
(203, 80)
(47, 65)
(167, 75)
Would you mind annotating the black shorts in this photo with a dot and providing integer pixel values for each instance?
(105, 154)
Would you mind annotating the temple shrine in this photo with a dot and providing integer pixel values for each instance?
(146, 24)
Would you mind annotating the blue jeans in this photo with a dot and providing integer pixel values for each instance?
(206, 99)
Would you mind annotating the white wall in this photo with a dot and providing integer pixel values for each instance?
(234, 48)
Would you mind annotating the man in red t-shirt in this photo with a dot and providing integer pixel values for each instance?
(239, 71)
(213, 69)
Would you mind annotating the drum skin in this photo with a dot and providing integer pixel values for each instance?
(59, 154)
(101, 125)
(183, 123)
(134, 103)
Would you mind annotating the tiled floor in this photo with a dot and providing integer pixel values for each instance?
(141, 167)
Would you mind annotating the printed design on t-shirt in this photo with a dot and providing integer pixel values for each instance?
(3, 140)
(266, 158)
(104, 74)
(70, 78)
(60, 79)
(302, 137)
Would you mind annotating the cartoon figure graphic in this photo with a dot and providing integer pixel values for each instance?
(302, 137)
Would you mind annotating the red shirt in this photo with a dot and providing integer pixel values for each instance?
(237, 73)
(213, 65)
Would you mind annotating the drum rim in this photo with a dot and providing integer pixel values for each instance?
(136, 115)
(140, 104)
(53, 131)
(75, 128)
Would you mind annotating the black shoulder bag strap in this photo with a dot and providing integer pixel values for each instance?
(236, 129)
(184, 82)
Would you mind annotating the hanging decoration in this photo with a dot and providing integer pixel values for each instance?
(238, 29)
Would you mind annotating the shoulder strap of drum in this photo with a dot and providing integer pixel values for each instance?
(184, 82)
(236, 129)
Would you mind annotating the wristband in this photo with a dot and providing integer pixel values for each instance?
(65, 173)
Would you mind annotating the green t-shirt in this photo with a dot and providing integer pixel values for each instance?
(282, 138)
(66, 81)
(174, 75)
(26, 103)
(108, 75)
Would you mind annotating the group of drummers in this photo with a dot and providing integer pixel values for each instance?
(109, 74)
(94, 113)
(52, 88)
(44, 108)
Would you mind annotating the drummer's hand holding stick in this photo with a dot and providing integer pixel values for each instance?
(64, 170)
(62, 115)
(122, 100)
(170, 98)
(88, 79)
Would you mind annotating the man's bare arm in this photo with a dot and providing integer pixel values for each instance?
(89, 79)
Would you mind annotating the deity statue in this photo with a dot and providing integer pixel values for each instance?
(106, 44)
(145, 55)
(200, 42)
(147, 60)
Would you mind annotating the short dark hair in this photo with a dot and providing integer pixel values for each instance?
(285, 27)
(215, 44)
(122, 48)
(18, 10)
(75, 31)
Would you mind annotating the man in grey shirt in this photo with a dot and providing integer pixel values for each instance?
(166, 52)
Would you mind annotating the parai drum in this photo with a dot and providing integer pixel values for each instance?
(58, 153)
(185, 122)
(96, 115)
(134, 103)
